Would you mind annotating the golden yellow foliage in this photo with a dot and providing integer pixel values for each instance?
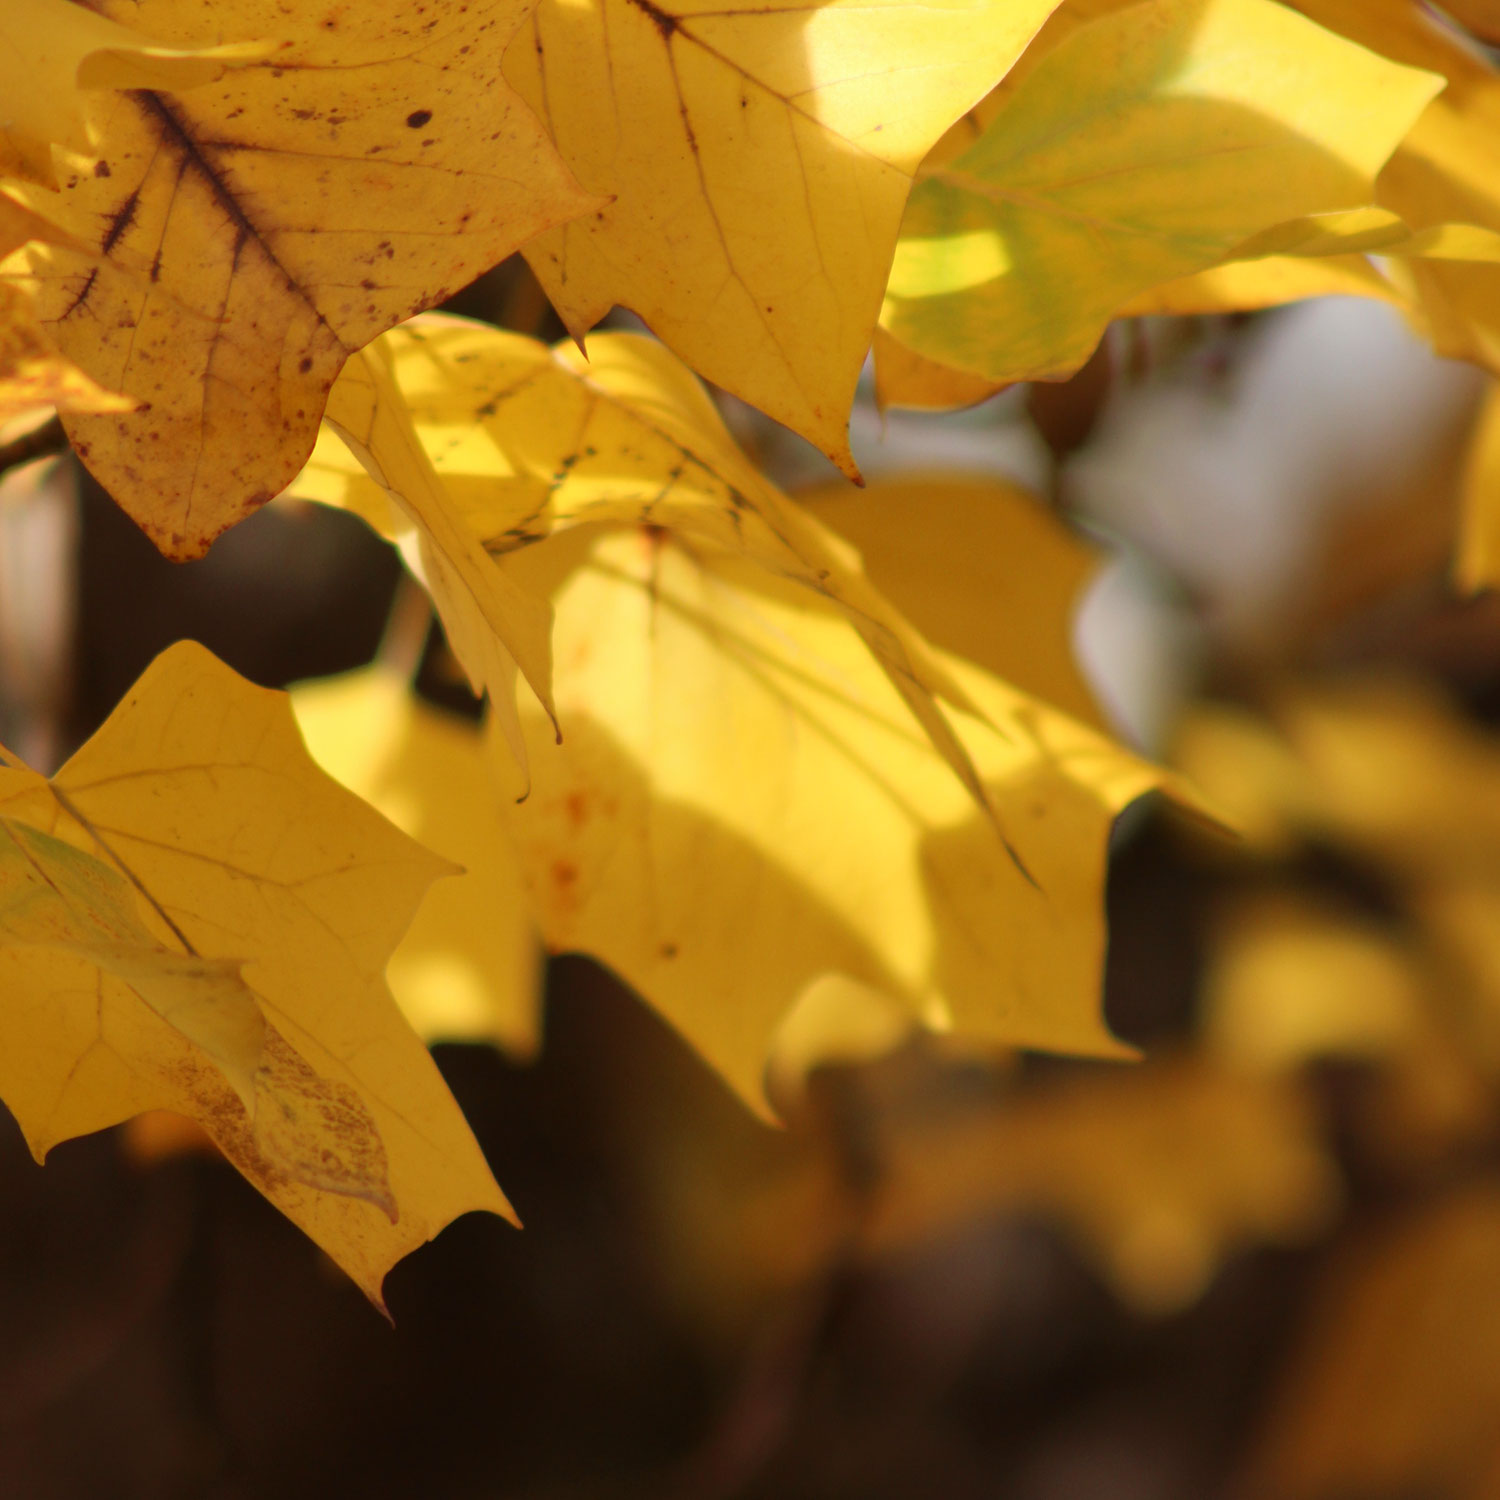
(528, 441)
(469, 968)
(236, 242)
(945, 551)
(1477, 564)
(758, 159)
(55, 49)
(1205, 122)
(742, 805)
(197, 919)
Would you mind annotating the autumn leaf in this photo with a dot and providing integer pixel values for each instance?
(33, 374)
(241, 239)
(529, 440)
(906, 380)
(1145, 146)
(468, 969)
(757, 159)
(260, 878)
(1478, 561)
(742, 804)
(57, 49)
(944, 552)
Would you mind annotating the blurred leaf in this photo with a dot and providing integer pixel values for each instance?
(1397, 1386)
(468, 969)
(1157, 1172)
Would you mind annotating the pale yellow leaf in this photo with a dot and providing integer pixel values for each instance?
(982, 568)
(757, 158)
(468, 970)
(1145, 146)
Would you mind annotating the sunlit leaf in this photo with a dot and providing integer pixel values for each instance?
(741, 805)
(1146, 146)
(529, 440)
(254, 868)
(239, 240)
(758, 158)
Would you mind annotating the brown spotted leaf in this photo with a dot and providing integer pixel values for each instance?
(241, 239)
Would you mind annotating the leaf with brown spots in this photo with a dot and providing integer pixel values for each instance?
(241, 239)
(758, 157)
(743, 805)
(193, 917)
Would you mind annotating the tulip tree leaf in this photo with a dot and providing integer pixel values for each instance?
(197, 919)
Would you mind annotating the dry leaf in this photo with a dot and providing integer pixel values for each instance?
(240, 240)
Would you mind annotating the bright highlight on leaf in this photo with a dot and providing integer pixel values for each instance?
(528, 440)
(1146, 146)
(196, 919)
(240, 240)
(742, 805)
(757, 158)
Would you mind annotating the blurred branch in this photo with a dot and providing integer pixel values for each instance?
(38, 443)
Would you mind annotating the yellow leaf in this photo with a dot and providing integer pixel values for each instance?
(1290, 981)
(1447, 170)
(52, 49)
(758, 158)
(741, 805)
(1147, 145)
(33, 374)
(242, 239)
(198, 791)
(468, 968)
(905, 380)
(1158, 1172)
(493, 626)
(529, 440)
(982, 568)
(1478, 561)
(1245, 285)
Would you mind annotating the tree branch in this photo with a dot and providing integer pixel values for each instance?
(40, 441)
